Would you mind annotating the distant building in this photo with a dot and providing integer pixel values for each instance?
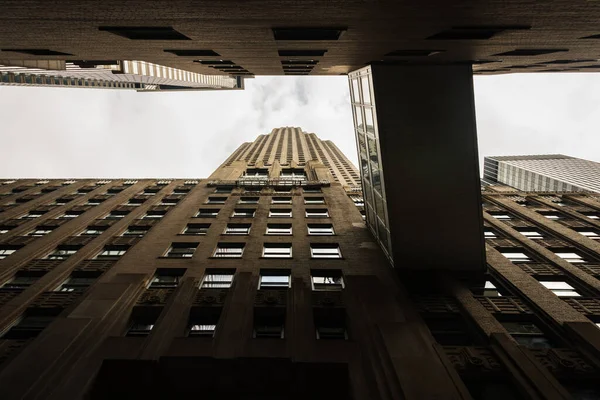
(139, 75)
(543, 173)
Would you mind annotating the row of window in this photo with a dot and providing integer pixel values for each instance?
(272, 229)
(273, 213)
(270, 250)
(256, 199)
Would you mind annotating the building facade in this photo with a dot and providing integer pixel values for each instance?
(263, 281)
(111, 74)
(543, 173)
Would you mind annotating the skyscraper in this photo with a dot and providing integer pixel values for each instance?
(543, 173)
(262, 281)
(112, 74)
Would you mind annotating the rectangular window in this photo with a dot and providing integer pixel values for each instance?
(592, 234)
(28, 327)
(171, 202)
(111, 253)
(69, 215)
(487, 289)
(116, 215)
(552, 216)
(60, 254)
(248, 200)
(560, 288)
(207, 213)
(331, 331)
(501, 216)
(328, 280)
(314, 200)
(516, 257)
(224, 189)
(274, 279)
(531, 234)
(140, 328)
(317, 213)
(292, 173)
(135, 231)
(237, 229)
(166, 278)
(229, 250)
(216, 200)
(570, 257)
(269, 327)
(19, 282)
(279, 229)
(203, 326)
(196, 229)
(181, 250)
(311, 189)
(39, 232)
(325, 250)
(243, 213)
(527, 334)
(320, 229)
(217, 279)
(488, 234)
(256, 173)
(592, 215)
(154, 215)
(281, 200)
(280, 213)
(75, 284)
(277, 250)
(31, 215)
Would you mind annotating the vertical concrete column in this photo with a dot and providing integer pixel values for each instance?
(416, 133)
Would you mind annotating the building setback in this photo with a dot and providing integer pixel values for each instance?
(262, 281)
(543, 173)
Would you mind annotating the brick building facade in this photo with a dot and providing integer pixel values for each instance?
(263, 281)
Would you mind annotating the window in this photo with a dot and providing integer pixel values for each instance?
(237, 229)
(136, 231)
(2, 231)
(320, 229)
(31, 215)
(280, 213)
(331, 331)
(527, 334)
(589, 232)
(312, 189)
(325, 250)
(166, 278)
(92, 232)
(592, 215)
(111, 253)
(207, 213)
(449, 329)
(116, 215)
(169, 202)
(552, 216)
(229, 250)
(256, 173)
(224, 189)
(282, 189)
(489, 234)
(217, 279)
(317, 213)
(60, 254)
(154, 215)
(75, 284)
(487, 289)
(561, 289)
(28, 327)
(325, 33)
(19, 282)
(314, 200)
(531, 234)
(216, 200)
(203, 326)
(277, 250)
(181, 250)
(140, 328)
(248, 200)
(4, 252)
(69, 215)
(269, 327)
(38, 232)
(281, 200)
(292, 173)
(196, 229)
(516, 257)
(274, 279)
(501, 216)
(94, 202)
(243, 213)
(570, 257)
(279, 229)
(327, 280)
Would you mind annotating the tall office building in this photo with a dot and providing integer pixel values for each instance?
(543, 173)
(111, 74)
(262, 281)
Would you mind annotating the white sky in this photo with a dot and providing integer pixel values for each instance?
(60, 132)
